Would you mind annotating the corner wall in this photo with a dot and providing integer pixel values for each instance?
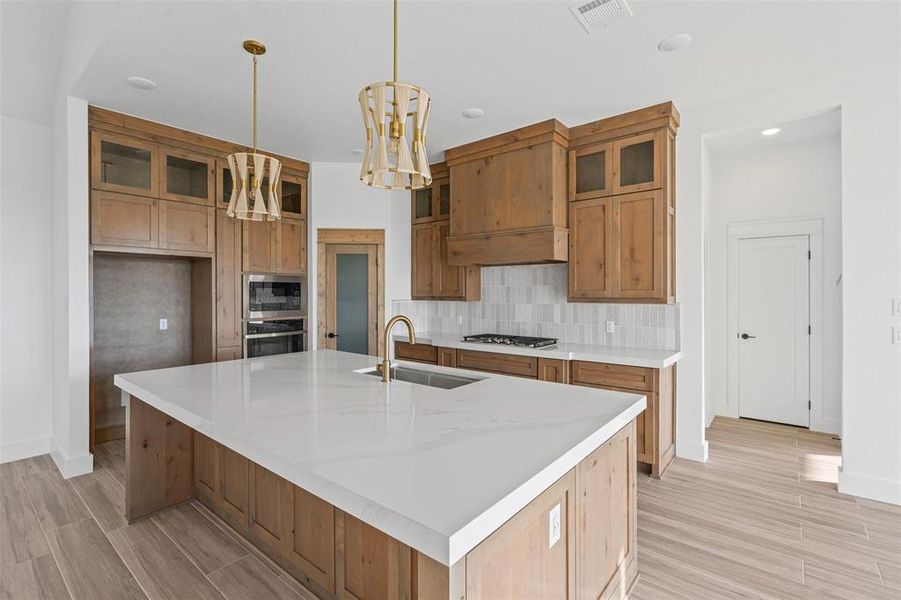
(25, 295)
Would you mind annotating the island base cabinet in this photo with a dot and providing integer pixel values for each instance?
(576, 540)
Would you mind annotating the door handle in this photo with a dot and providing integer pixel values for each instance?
(745, 336)
(331, 335)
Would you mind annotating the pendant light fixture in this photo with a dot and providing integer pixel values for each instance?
(388, 160)
(254, 176)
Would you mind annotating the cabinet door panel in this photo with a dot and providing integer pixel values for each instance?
(230, 353)
(187, 177)
(235, 488)
(313, 537)
(122, 220)
(590, 172)
(187, 227)
(207, 455)
(591, 251)
(606, 518)
(447, 357)
(640, 247)
(259, 246)
(517, 560)
(123, 164)
(269, 508)
(553, 369)
(228, 281)
(423, 205)
(449, 281)
(293, 195)
(441, 192)
(291, 246)
(423, 244)
(638, 163)
(368, 562)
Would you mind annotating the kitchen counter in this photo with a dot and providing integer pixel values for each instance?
(439, 470)
(635, 357)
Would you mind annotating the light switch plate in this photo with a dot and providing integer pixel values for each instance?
(164, 324)
(610, 326)
(554, 526)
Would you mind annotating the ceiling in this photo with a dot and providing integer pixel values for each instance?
(519, 61)
(824, 124)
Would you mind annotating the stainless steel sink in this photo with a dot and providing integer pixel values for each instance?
(433, 379)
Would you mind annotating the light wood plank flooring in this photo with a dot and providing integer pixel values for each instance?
(762, 519)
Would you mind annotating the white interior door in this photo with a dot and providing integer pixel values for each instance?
(773, 329)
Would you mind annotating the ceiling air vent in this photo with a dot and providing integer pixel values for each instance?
(601, 13)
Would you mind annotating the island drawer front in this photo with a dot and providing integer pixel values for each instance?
(616, 376)
(506, 364)
(416, 352)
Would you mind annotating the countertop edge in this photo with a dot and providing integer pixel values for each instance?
(610, 356)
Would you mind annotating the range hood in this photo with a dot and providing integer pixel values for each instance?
(508, 198)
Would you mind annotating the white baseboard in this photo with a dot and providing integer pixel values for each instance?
(71, 466)
(24, 449)
(832, 426)
(692, 450)
(883, 490)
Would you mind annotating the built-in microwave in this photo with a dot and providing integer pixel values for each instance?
(268, 296)
(275, 336)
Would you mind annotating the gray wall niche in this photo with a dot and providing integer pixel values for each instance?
(131, 295)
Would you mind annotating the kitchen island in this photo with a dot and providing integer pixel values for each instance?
(501, 487)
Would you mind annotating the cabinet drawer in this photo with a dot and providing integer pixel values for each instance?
(507, 364)
(618, 376)
(418, 352)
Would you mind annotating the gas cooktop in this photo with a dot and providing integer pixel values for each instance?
(510, 340)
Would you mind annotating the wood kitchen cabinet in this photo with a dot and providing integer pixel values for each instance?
(275, 246)
(622, 207)
(433, 277)
(619, 248)
(124, 220)
(187, 176)
(187, 227)
(229, 293)
(120, 163)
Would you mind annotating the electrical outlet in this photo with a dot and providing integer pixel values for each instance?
(164, 324)
(553, 526)
(611, 326)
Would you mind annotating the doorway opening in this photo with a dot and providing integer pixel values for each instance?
(350, 295)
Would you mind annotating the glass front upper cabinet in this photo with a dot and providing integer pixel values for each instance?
(637, 163)
(423, 206)
(123, 164)
(590, 172)
(441, 189)
(293, 195)
(186, 177)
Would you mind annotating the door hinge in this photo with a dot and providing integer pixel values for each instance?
(808, 330)
(808, 255)
(808, 405)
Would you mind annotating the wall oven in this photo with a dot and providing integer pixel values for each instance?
(269, 296)
(271, 337)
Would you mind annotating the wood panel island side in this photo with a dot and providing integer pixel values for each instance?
(500, 488)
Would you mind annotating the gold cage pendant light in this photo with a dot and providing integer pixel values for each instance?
(254, 176)
(389, 162)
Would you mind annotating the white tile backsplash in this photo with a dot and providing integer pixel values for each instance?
(531, 300)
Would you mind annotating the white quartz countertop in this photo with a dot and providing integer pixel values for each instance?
(439, 470)
(635, 357)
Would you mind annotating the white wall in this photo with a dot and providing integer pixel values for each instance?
(338, 199)
(25, 343)
(785, 180)
(871, 261)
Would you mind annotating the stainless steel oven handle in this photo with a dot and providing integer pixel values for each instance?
(256, 336)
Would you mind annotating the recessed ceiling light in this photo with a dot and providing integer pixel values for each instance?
(770, 131)
(142, 83)
(674, 42)
(473, 113)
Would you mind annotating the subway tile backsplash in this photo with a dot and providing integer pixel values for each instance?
(531, 300)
